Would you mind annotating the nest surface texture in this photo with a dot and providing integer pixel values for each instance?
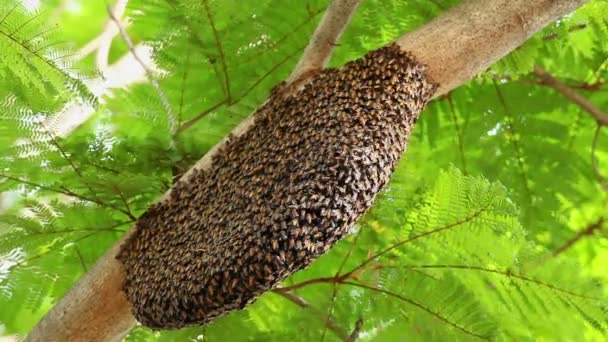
(276, 197)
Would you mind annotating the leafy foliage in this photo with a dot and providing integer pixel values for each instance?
(461, 245)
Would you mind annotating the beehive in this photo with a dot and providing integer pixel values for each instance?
(276, 197)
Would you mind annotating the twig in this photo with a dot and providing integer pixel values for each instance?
(103, 42)
(321, 280)
(459, 132)
(267, 74)
(113, 228)
(572, 95)
(320, 48)
(438, 4)
(590, 230)
(596, 170)
(220, 50)
(234, 101)
(554, 35)
(334, 291)
(330, 322)
(171, 118)
(124, 201)
(418, 305)
(416, 237)
(513, 139)
(337, 278)
(507, 273)
(312, 13)
(203, 114)
(67, 192)
(315, 56)
(354, 336)
(76, 170)
(586, 86)
(82, 263)
(48, 251)
(9, 12)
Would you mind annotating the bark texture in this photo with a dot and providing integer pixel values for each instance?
(455, 47)
(475, 34)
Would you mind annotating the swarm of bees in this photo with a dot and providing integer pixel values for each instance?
(276, 197)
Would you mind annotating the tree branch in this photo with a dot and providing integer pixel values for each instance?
(572, 95)
(171, 118)
(596, 169)
(103, 42)
(470, 37)
(220, 50)
(70, 193)
(320, 48)
(506, 273)
(419, 306)
(457, 45)
(590, 230)
(330, 322)
(354, 336)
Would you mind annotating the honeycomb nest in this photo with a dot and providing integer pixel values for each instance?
(276, 197)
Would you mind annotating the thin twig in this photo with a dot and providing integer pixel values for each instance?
(594, 164)
(507, 273)
(182, 94)
(48, 251)
(202, 115)
(9, 12)
(418, 305)
(267, 74)
(416, 237)
(76, 170)
(171, 118)
(438, 4)
(330, 322)
(236, 100)
(554, 35)
(334, 291)
(584, 86)
(68, 192)
(103, 43)
(315, 55)
(311, 15)
(220, 50)
(512, 138)
(113, 229)
(353, 273)
(124, 201)
(82, 263)
(321, 280)
(459, 132)
(25, 23)
(590, 230)
(326, 36)
(354, 336)
(572, 95)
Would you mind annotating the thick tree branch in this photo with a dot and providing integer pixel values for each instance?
(319, 50)
(572, 95)
(472, 36)
(455, 46)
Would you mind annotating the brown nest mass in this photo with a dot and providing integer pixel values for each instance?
(276, 197)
